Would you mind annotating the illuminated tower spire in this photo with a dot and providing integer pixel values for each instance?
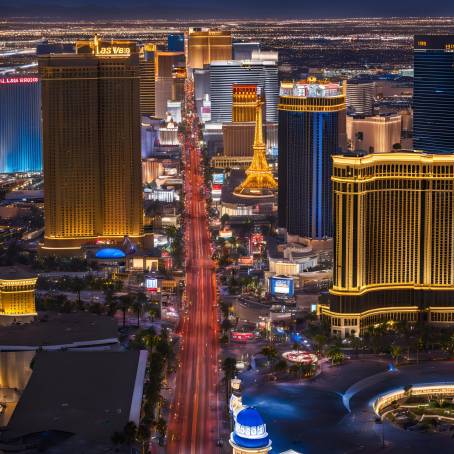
(259, 181)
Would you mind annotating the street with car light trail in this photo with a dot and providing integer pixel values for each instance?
(194, 421)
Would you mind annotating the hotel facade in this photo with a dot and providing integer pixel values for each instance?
(393, 241)
(91, 145)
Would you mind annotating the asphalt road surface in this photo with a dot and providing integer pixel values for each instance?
(194, 423)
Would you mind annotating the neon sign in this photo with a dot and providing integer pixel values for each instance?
(19, 80)
(114, 50)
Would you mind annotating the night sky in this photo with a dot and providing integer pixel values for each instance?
(175, 9)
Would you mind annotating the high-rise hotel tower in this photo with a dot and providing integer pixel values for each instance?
(394, 214)
(225, 74)
(91, 144)
(20, 124)
(433, 96)
(312, 119)
(394, 240)
(202, 46)
(147, 79)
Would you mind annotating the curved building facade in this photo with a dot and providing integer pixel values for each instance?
(394, 240)
(360, 97)
(20, 124)
(17, 295)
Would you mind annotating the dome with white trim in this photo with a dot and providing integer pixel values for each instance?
(250, 430)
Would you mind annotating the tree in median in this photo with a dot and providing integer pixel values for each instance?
(270, 352)
(335, 355)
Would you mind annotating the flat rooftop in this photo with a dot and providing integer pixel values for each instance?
(58, 330)
(15, 273)
(88, 394)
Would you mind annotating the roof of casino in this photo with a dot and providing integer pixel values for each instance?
(55, 331)
(13, 273)
(86, 395)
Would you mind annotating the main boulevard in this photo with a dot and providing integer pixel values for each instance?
(194, 422)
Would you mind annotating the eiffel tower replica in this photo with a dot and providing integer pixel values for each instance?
(259, 181)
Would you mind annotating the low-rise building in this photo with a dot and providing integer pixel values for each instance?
(17, 295)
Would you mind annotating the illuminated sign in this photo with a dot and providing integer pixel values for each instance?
(449, 46)
(114, 50)
(218, 178)
(151, 284)
(242, 337)
(245, 261)
(281, 286)
(19, 80)
(422, 43)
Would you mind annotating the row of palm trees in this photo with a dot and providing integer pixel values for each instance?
(137, 302)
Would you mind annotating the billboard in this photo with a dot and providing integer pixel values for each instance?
(241, 337)
(151, 284)
(282, 286)
(218, 178)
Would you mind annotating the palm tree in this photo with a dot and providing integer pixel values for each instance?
(396, 352)
(335, 354)
(229, 368)
(137, 306)
(356, 344)
(130, 431)
(143, 435)
(125, 303)
(320, 342)
(77, 285)
(161, 427)
(269, 351)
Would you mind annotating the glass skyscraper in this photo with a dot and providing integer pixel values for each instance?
(311, 130)
(433, 97)
(175, 42)
(20, 127)
(224, 74)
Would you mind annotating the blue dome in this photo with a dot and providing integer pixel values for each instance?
(249, 417)
(250, 430)
(251, 443)
(110, 254)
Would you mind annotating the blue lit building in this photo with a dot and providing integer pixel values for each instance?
(20, 124)
(433, 96)
(175, 42)
(311, 129)
(249, 434)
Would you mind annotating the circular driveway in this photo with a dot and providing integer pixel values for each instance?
(332, 413)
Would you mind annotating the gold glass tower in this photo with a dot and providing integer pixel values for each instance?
(259, 181)
(91, 144)
(394, 240)
(147, 80)
(204, 46)
(244, 101)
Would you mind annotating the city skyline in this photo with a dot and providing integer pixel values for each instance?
(246, 224)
